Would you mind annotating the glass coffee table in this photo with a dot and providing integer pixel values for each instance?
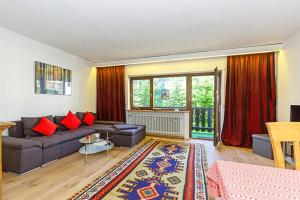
(94, 144)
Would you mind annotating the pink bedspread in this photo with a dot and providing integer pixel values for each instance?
(230, 180)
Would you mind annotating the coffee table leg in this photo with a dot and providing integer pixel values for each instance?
(86, 155)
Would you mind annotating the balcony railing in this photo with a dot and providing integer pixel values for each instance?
(202, 119)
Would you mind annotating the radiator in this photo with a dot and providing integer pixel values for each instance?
(161, 123)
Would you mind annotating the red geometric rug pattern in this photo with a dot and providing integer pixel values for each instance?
(156, 170)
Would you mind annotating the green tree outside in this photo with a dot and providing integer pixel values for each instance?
(203, 91)
(141, 93)
(170, 92)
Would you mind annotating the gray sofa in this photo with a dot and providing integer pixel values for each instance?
(22, 152)
(127, 138)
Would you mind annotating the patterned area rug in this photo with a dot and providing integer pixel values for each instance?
(155, 170)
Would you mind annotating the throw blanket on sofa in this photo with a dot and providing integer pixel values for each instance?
(125, 126)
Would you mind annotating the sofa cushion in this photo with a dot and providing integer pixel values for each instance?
(81, 115)
(30, 122)
(19, 143)
(108, 122)
(101, 127)
(47, 141)
(61, 136)
(45, 127)
(57, 120)
(16, 131)
(89, 119)
(131, 131)
(112, 130)
(75, 134)
(71, 121)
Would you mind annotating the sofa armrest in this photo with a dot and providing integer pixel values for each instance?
(19, 143)
(108, 122)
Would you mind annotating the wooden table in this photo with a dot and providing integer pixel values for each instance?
(236, 181)
(3, 126)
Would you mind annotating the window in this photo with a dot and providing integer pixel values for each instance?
(178, 91)
(169, 92)
(141, 92)
(160, 92)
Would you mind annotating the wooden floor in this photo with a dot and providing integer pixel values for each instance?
(64, 177)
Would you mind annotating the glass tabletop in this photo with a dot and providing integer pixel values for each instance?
(93, 138)
(96, 148)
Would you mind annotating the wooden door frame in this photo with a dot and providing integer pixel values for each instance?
(218, 108)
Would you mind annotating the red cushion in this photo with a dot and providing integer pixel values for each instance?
(89, 119)
(45, 127)
(71, 121)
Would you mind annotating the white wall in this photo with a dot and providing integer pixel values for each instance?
(288, 77)
(17, 56)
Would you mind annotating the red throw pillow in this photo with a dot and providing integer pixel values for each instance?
(45, 127)
(71, 121)
(89, 119)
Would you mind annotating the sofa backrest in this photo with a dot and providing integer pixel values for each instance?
(30, 122)
(17, 131)
(81, 115)
(57, 120)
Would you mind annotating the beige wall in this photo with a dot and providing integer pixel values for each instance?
(288, 77)
(18, 98)
(173, 67)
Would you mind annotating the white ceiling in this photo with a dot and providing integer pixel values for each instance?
(110, 30)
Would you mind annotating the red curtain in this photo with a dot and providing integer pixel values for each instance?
(250, 99)
(111, 93)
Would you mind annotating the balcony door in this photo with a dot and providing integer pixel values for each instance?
(205, 116)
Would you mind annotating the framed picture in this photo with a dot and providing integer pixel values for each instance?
(50, 79)
(165, 94)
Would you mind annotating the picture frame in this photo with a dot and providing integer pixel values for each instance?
(52, 80)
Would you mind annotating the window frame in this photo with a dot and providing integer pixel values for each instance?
(188, 88)
(132, 107)
(131, 93)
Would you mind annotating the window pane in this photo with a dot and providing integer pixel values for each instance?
(141, 93)
(203, 91)
(169, 92)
